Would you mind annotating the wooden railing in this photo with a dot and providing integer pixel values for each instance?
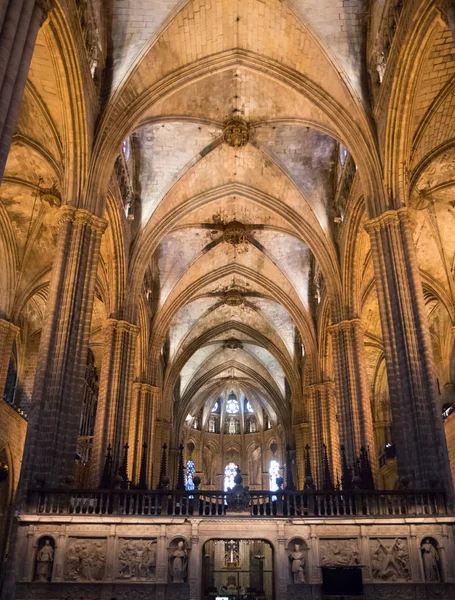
(253, 503)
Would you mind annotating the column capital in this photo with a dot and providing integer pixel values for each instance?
(345, 325)
(121, 325)
(46, 6)
(389, 217)
(142, 386)
(323, 386)
(83, 217)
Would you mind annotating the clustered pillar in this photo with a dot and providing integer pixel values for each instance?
(58, 392)
(8, 333)
(355, 420)
(417, 426)
(114, 401)
(142, 431)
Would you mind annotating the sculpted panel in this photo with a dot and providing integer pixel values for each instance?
(390, 560)
(137, 559)
(85, 559)
(339, 553)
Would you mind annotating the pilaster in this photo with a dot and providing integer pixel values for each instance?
(302, 437)
(142, 429)
(417, 427)
(355, 420)
(115, 396)
(57, 394)
(324, 415)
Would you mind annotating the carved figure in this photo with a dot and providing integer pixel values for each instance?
(137, 559)
(255, 465)
(85, 560)
(44, 560)
(339, 553)
(212, 425)
(253, 426)
(297, 558)
(231, 425)
(179, 563)
(390, 561)
(381, 65)
(430, 558)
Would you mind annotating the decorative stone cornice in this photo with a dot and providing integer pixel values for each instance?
(81, 216)
(323, 386)
(390, 217)
(141, 386)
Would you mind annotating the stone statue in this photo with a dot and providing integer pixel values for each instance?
(381, 64)
(430, 558)
(44, 560)
(253, 426)
(212, 425)
(231, 425)
(179, 563)
(390, 561)
(297, 558)
(255, 465)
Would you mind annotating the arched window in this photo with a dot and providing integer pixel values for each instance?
(215, 406)
(232, 405)
(189, 484)
(274, 472)
(249, 408)
(229, 473)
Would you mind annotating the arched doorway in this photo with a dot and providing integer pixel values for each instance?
(237, 569)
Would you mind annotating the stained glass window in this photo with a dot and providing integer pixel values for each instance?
(232, 405)
(249, 408)
(274, 472)
(229, 473)
(189, 484)
(215, 406)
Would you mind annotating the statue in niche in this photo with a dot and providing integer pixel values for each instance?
(255, 465)
(431, 560)
(207, 463)
(44, 560)
(137, 559)
(339, 553)
(179, 563)
(85, 560)
(232, 428)
(297, 558)
(253, 426)
(212, 424)
(390, 561)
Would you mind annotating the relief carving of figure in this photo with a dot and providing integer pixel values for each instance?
(430, 558)
(85, 560)
(44, 560)
(212, 424)
(343, 553)
(137, 559)
(179, 562)
(297, 558)
(390, 561)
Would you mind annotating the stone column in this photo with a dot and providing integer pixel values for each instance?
(325, 412)
(115, 395)
(417, 425)
(8, 333)
(142, 427)
(20, 21)
(355, 419)
(302, 437)
(58, 392)
(195, 563)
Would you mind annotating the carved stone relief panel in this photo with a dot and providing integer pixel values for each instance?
(390, 559)
(137, 559)
(339, 553)
(85, 559)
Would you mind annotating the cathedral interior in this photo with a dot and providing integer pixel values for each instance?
(227, 299)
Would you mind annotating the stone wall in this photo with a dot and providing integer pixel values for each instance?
(112, 558)
(13, 429)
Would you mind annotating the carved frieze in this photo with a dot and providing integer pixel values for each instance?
(137, 559)
(390, 559)
(85, 559)
(339, 553)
